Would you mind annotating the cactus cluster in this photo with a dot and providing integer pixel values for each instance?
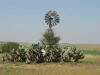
(37, 53)
(70, 53)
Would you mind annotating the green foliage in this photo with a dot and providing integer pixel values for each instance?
(37, 54)
(91, 52)
(9, 46)
(46, 51)
(2, 59)
(50, 39)
(27, 55)
(72, 54)
(1, 48)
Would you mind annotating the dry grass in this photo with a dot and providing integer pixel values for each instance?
(88, 66)
(88, 47)
(51, 70)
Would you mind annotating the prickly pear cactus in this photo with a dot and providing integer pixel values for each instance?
(72, 54)
(38, 54)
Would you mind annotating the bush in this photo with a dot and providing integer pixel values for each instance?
(38, 54)
(0, 50)
(7, 47)
(46, 51)
(72, 54)
(50, 39)
(27, 55)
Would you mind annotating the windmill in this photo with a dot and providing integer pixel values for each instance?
(51, 18)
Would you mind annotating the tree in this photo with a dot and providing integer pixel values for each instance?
(50, 39)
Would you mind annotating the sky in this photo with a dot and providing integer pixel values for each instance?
(23, 20)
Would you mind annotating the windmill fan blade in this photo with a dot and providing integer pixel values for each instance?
(51, 18)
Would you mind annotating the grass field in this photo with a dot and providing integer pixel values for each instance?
(88, 47)
(91, 52)
(90, 65)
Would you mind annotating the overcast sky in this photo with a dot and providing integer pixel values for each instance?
(23, 20)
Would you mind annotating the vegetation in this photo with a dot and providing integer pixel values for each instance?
(0, 48)
(91, 52)
(37, 54)
(46, 51)
(88, 46)
(90, 65)
(7, 47)
(50, 39)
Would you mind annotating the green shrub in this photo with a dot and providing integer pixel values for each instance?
(72, 54)
(38, 54)
(7, 47)
(50, 39)
(46, 51)
(0, 50)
